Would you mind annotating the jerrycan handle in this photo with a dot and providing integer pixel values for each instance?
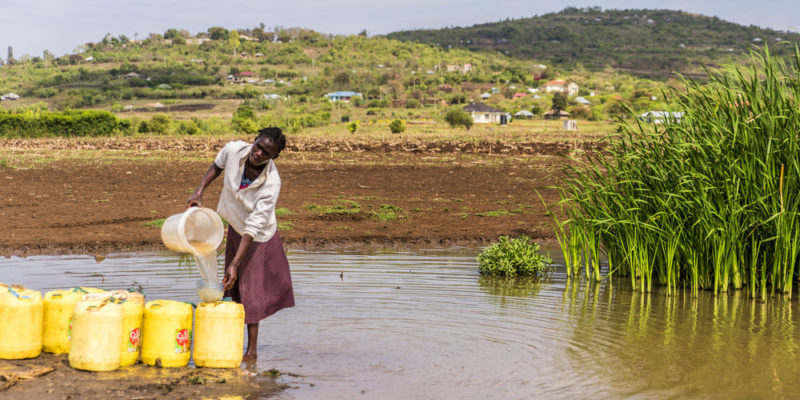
(17, 295)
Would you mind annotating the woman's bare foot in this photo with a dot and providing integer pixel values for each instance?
(250, 355)
(252, 343)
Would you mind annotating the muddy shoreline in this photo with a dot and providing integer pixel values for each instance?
(135, 382)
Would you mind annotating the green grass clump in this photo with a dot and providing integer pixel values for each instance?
(710, 202)
(158, 223)
(511, 257)
(387, 212)
(339, 207)
(280, 212)
(497, 213)
(285, 226)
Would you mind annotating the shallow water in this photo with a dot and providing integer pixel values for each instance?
(425, 324)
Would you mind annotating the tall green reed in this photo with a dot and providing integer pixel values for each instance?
(710, 200)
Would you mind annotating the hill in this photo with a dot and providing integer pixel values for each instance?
(213, 81)
(651, 43)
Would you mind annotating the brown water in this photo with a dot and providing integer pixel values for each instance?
(426, 325)
(205, 254)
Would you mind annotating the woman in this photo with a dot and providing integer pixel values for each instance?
(256, 270)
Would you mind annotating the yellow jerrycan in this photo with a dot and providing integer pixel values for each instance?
(20, 322)
(219, 334)
(133, 312)
(167, 333)
(58, 307)
(96, 334)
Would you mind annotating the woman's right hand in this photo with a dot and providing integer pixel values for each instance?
(195, 200)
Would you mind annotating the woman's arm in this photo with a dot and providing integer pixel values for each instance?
(232, 272)
(196, 199)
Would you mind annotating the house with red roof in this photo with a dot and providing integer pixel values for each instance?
(562, 86)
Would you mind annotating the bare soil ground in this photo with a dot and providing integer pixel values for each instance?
(136, 382)
(77, 200)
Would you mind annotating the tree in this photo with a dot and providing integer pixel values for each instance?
(233, 39)
(342, 80)
(397, 126)
(456, 116)
(171, 33)
(10, 58)
(559, 101)
(217, 33)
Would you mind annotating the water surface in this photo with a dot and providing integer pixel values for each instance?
(426, 325)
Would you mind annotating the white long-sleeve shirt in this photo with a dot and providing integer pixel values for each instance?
(250, 210)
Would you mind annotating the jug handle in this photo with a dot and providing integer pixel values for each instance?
(18, 296)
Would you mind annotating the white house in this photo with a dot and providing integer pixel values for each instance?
(659, 117)
(459, 68)
(560, 85)
(523, 114)
(483, 113)
(582, 100)
(344, 96)
(197, 41)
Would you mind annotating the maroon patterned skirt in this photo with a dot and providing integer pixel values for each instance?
(264, 285)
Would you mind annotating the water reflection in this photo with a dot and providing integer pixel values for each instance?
(424, 324)
(727, 346)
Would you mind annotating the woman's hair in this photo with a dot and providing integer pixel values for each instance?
(275, 135)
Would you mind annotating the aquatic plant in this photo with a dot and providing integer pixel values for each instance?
(709, 200)
(511, 257)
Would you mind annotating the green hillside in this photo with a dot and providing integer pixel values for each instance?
(653, 43)
(209, 82)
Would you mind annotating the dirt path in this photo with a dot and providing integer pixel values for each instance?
(103, 204)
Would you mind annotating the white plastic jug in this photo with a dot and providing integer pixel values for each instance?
(193, 231)
(198, 231)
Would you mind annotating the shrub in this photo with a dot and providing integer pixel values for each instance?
(159, 124)
(243, 119)
(510, 257)
(580, 112)
(66, 123)
(413, 103)
(458, 117)
(353, 126)
(397, 126)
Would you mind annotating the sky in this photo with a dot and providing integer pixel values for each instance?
(60, 26)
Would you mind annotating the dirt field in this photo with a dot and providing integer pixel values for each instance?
(74, 197)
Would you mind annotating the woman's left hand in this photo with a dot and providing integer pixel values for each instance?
(231, 274)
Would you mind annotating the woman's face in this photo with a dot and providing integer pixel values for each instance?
(262, 151)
